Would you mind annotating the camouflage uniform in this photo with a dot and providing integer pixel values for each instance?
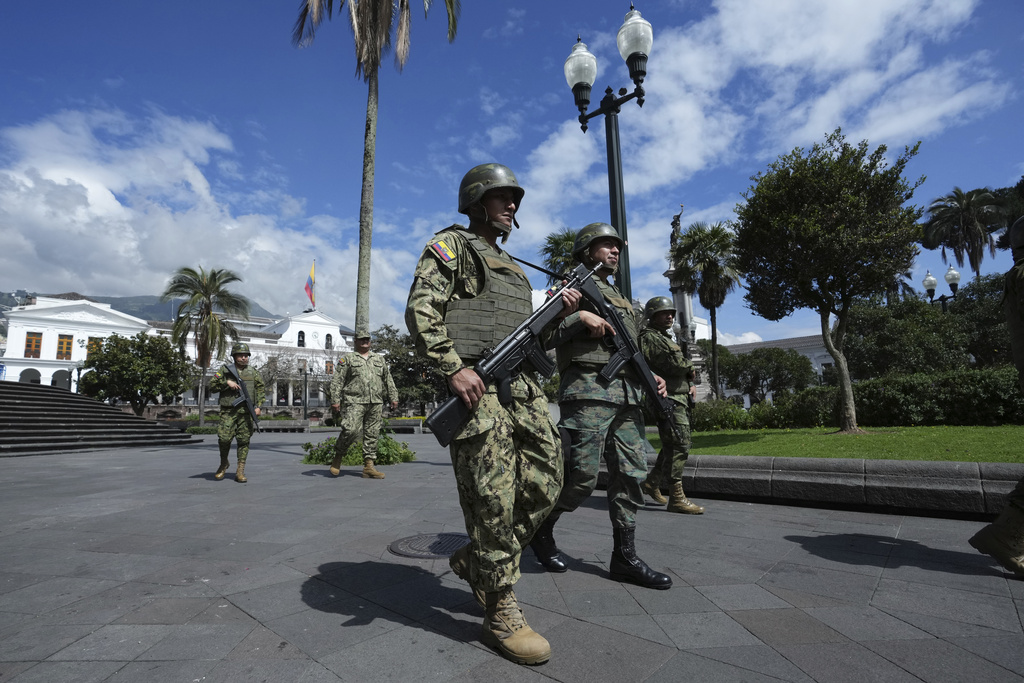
(507, 458)
(666, 359)
(235, 422)
(603, 419)
(1013, 308)
(361, 386)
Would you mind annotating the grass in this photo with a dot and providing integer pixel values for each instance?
(964, 444)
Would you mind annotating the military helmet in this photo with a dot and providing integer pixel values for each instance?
(589, 233)
(487, 177)
(1017, 234)
(657, 305)
(240, 348)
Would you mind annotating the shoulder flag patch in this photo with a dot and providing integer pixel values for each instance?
(443, 250)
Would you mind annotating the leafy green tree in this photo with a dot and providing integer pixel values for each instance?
(904, 338)
(820, 229)
(979, 307)
(203, 315)
(705, 264)
(768, 371)
(963, 222)
(417, 380)
(373, 22)
(1012, 201)
(557, 252)
(136, 370)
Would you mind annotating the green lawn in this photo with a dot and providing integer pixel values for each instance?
(970, 444)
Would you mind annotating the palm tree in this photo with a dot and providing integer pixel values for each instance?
(706, 265)
(372, 23)
(963, 222)
(202, 316)
(557, 252)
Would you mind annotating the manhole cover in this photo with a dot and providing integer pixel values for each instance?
(429, 546)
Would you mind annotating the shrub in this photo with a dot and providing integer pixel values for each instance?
(812, 407)
(766, 415)
(389, 451)
(714, 415)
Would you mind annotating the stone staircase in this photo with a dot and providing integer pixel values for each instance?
(40, 419)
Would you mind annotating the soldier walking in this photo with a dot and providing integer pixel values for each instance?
(666, 358)
(235, 422)
(361, 384)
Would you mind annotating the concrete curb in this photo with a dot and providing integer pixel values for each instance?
(885, 485)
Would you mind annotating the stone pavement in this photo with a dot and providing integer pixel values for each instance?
(137, 566)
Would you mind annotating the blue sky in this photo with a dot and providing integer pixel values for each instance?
(136, 138)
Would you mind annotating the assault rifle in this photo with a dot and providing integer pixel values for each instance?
(244, 398)
(501, 365)
(626, 350)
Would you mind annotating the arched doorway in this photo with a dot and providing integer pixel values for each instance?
(61, 380)
(30, 376)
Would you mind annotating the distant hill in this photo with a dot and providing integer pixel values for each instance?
(150, 307)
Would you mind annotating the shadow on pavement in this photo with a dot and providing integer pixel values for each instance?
(887, 552)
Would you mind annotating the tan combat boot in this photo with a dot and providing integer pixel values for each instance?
(240, 474)
(336, 465)
(219, 474)
(369, 471)
(678, 502)
(652, 487)
(1003, 539)
(459, 562)
(506, 629)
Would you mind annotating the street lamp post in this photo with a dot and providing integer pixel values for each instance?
(952, 279)
(634, 41)
(305, 389)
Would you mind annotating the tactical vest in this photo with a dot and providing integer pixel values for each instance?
(505, 300)
(677, 381)
(589, 352)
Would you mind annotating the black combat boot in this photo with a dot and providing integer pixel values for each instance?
(626, 566)
(544, 547)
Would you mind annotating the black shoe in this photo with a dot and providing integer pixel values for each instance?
(626, 566)
(543, 545)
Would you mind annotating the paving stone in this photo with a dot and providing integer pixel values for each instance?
(933, 660)
(705, 629)
(119, 643)
(760, 659)
(741, 597)
(778, 627)
(80, 672)
(866, 623)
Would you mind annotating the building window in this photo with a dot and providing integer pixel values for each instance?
(330, 367)
(64, 346)
(95, 345)
(33, 344)
(302, 339)
(329, 343)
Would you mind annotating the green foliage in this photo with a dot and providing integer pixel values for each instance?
(767, 371)
(823, 228)
(904, 337)
(718, 414)
(202, 316)
(201, 430)
(136, 370)
(557, 252)
(979, 307)
(550, 387)
(389, 451)
(417, 379)
(963, 222)
(961, 397)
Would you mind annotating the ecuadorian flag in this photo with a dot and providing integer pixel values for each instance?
(309, 285)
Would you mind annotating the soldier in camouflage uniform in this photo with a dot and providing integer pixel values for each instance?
(666, 358)
(603, 419)
(467, 295)
(361, 385)
(235, 422)
(1003, 539)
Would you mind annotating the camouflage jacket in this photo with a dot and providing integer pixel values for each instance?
(253, 384)
(666, 359)
(362, 380)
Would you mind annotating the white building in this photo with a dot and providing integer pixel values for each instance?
(49, 337)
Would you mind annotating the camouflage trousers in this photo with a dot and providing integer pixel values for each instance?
(359, 420)
(235, 423)
(673, 454)
(508, 470)
(615, 432)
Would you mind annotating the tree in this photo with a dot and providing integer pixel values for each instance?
(904, 338)
(979, 305)
(768, 371)
(417, 379)
(963, 222)
(557, 252)
(821, 229)
(372, 24)
(705, 264)
(136, 370)
(202, 316)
